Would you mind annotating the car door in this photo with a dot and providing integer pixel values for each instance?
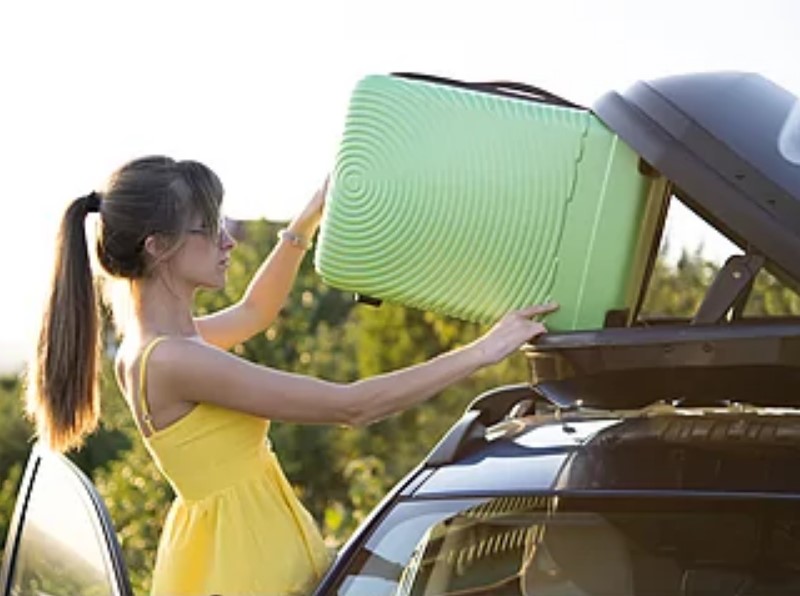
(61, 541)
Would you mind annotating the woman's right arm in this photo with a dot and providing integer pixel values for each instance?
(195, 372)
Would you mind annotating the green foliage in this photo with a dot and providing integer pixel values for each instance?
(677, 292)
(115, 432)
(137, 497)
(771, 298)
(14, 429)
(15, 434)
(8, 494)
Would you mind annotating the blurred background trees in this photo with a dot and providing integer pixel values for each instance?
(339, 473)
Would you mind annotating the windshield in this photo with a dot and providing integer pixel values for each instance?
(582, 546)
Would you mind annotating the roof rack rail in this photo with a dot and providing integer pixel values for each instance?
(486, 410)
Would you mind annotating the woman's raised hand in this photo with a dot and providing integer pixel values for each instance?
(513, 330)
(308, 219)
(317, 202)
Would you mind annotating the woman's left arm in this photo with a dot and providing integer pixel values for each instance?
(270, 286)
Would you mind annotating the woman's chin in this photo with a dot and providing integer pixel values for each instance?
(215, 284)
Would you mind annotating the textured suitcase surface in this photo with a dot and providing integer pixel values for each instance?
(469, 204)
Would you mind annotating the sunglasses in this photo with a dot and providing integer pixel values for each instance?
(223, 229)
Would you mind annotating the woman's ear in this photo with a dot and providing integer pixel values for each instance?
(155, 247)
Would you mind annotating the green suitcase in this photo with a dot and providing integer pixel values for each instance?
(470, 201)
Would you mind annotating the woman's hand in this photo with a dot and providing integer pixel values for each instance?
(512, 331)
(307, 221)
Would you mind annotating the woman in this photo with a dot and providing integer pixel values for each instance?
(235, 527)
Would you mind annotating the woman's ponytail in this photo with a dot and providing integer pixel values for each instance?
(149, 195)
(62, 395)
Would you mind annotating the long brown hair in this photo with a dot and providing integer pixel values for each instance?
(151, 195)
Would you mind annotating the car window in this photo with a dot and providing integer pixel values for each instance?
(61, 549)
(570, 546)
(377, 567)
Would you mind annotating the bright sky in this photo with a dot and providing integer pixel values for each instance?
(258, 90)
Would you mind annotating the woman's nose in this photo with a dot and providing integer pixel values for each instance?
(226, 239)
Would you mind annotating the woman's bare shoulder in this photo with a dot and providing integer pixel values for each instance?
(185, 361)
(131, 353)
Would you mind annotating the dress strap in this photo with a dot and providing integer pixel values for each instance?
(143, 405)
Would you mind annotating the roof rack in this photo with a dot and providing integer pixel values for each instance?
(695, 364)
(689, 365)
(486, 410)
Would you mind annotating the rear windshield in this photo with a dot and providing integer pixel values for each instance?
(587, 546)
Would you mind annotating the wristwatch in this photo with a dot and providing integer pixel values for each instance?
(296, 240)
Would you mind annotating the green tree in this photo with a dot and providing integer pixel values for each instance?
(770, 297)
(678, 291)
(15, 443)
(137, 498)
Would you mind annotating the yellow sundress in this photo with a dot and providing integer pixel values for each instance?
(236, 527)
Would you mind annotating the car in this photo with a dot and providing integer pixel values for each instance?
(657, 480)
(650, 457)
(644, 458)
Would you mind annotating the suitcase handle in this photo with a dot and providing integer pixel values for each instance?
(525, 90)
(504, 88)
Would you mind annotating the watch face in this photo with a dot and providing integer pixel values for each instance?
(294, 239)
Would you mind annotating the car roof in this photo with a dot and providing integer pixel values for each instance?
(656, 450)
(529, 462)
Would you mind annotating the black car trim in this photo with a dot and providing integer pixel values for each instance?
(17, 522)
(611, 493)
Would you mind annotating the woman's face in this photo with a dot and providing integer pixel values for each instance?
(203, 258)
